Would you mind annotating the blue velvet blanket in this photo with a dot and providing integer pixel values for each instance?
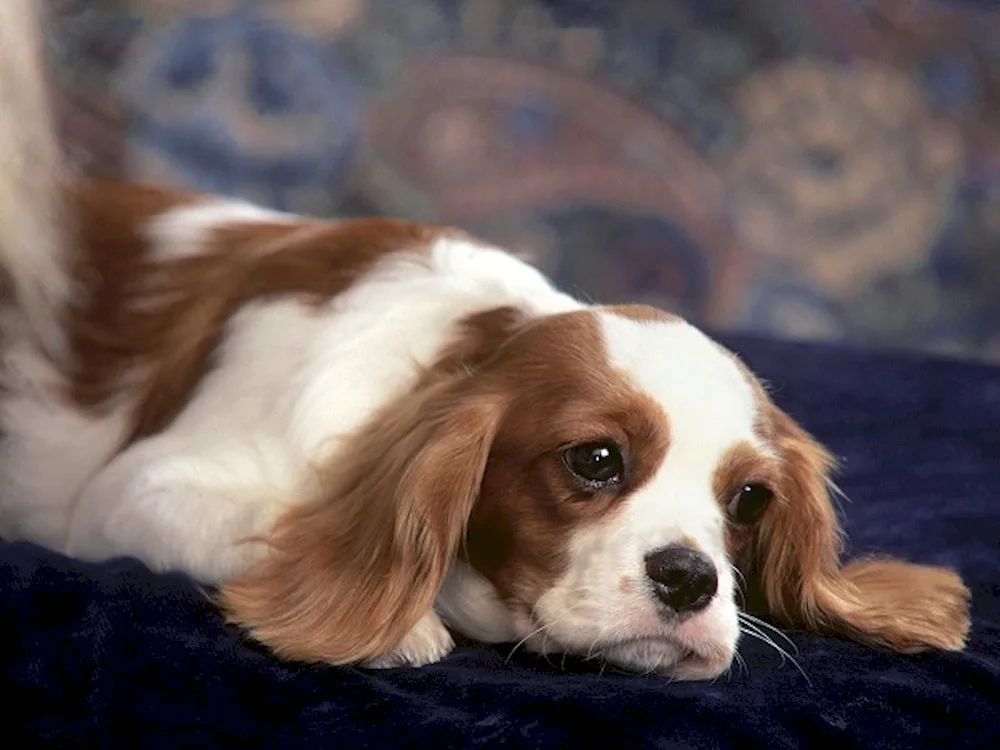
(112, 655)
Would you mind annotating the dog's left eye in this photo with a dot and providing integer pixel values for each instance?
(599, 464)
(749, 503)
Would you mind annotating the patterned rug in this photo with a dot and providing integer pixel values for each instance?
(825, 169)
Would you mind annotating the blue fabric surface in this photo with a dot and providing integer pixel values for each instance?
(113, 655)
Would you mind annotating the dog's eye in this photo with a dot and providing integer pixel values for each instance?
(748, 504)
(598, 464)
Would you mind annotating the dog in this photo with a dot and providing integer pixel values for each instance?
(367, 434)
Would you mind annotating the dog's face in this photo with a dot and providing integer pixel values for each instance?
(628, 452)
(600, 476)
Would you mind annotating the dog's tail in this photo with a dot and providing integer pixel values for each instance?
(35, 235)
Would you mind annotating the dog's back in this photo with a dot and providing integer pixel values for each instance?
(34, 227)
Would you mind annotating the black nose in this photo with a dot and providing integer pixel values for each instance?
(683, 579)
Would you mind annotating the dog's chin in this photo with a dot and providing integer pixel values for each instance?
(653, 655)
(669, 658)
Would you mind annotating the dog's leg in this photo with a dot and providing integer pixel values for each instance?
(427, 642)
(179, 508)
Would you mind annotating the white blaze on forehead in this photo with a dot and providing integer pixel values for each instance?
(710, 408)
(706, 397)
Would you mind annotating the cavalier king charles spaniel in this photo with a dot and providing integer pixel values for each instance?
(368, 433)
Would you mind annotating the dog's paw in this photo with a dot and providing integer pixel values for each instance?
(427, 642)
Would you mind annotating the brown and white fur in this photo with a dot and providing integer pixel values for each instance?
(366, 432)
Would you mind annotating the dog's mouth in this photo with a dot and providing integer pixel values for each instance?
(658, 655)
(661, 655)
(700, 648)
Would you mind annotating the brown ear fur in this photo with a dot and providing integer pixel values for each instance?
(351, 572)
(793, 560)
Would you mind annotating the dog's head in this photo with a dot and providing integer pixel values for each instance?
(593, 482)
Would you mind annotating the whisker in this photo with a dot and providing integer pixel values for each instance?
(536, 631)
(593, 644)
(543, 648)
(652, 667)
(751, 631)
(768, 626)
(741, 586)
(741, 663)
(740, 578)
(542, 630)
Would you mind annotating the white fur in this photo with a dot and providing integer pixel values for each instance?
(289, 384)
(427, 641)
(471, 604)
(182, 232)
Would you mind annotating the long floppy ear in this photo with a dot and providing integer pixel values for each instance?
(793, 564)
(350, 573)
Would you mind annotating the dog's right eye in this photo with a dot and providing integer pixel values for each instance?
(749, 503)
(598, 464)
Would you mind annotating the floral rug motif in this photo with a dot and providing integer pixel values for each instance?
(825, 169)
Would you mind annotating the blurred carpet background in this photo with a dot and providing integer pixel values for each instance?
(824, 169)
